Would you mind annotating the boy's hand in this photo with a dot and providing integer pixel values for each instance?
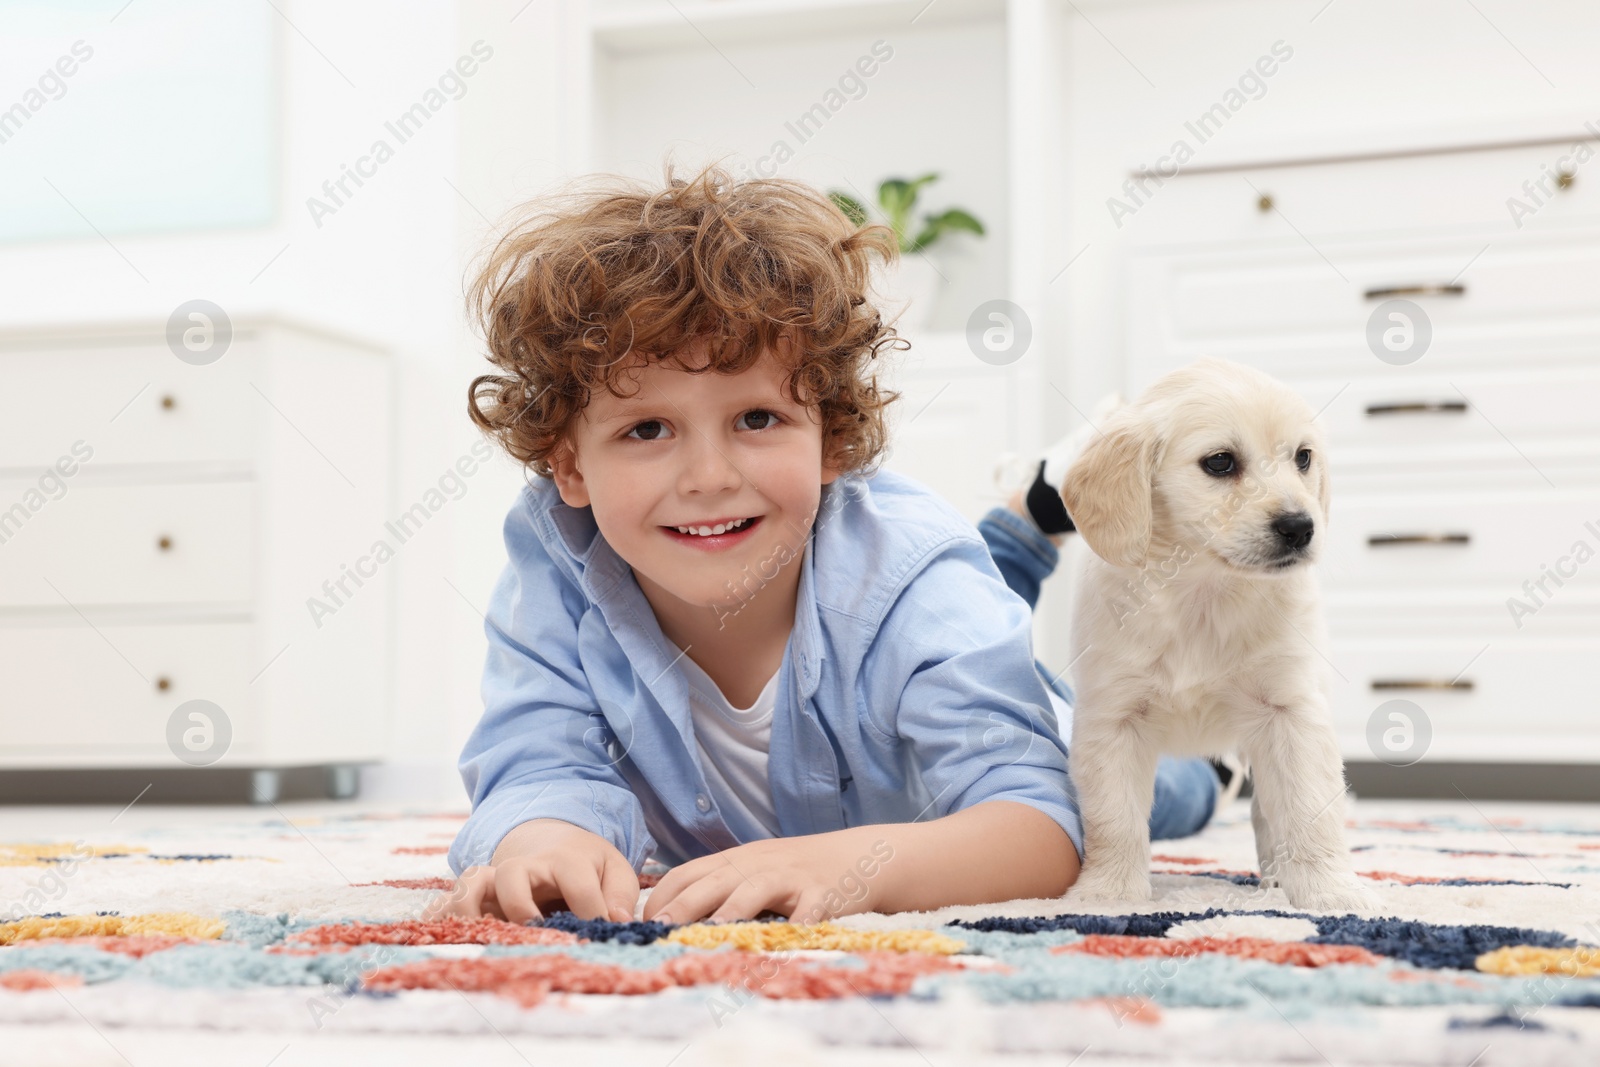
(809, 879)
(538, 864)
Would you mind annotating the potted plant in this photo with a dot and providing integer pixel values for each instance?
(908, 289)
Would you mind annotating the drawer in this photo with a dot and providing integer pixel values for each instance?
(1294, 313)
(1430, 410)
(127, 544)
(1502, 539)
(134, 404)
(1332, 199)
(1483, 696)
(109, 691)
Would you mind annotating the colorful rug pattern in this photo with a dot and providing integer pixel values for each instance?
(1485, 944)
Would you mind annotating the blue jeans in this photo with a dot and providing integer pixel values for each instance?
(1186, 789)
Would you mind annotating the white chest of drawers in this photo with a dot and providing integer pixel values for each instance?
(166, 529)
(1462, 479)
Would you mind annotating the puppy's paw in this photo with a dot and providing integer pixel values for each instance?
(1110, 885)
(1328, 891)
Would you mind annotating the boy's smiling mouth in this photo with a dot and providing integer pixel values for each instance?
(722, 534)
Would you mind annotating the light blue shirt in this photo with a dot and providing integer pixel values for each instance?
(907, 690)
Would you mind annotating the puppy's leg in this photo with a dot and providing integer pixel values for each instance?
(1267, 847)
(1299, 799)
(1113, 765)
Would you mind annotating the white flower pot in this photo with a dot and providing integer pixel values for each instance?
(906, 292)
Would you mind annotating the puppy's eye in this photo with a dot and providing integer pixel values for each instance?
(1218, 463)
(1302, 459)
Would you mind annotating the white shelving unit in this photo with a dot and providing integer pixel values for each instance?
(166, 527)
(1460, 474)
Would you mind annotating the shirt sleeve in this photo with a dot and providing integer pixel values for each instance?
(542, 749)
(971, 704)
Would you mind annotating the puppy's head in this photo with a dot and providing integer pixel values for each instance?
(1216, 462)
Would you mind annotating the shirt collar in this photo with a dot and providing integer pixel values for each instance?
(806, 638)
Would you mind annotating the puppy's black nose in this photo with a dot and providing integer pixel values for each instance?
(1294, 530)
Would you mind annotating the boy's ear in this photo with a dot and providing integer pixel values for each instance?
(568, 478)
(833, 464)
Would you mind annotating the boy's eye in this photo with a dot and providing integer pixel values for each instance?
(649, 430)
(758, 419)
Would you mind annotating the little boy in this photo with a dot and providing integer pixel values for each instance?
(722, 639)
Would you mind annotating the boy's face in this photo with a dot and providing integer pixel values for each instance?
(694, 451)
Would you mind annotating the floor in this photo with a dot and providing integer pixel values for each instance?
(316, 862)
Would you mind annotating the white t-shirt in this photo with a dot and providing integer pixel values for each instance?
(1063, 714)
(733, 745)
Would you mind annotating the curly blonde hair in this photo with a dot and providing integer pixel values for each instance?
(612, 269)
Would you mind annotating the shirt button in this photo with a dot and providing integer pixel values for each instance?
(702, 802)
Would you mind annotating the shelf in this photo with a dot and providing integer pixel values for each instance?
(653, 25)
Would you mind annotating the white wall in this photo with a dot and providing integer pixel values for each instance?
(522, 130)
(386, 266)
(389, 265)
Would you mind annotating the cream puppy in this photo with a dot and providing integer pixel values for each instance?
(1197, 626)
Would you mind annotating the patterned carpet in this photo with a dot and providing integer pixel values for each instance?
(300, 925)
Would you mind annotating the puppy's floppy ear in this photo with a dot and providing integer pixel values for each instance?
(1107, 491)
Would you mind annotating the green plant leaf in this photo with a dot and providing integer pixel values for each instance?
(936, 226)
(853, 209)
(898, 197)
(956, 219)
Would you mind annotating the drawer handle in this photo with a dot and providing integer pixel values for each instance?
(164, 543)
(1450, 289)
(1420, 683)
(1407, 407)
(169, 401)
(1377, 540)
(163, 683)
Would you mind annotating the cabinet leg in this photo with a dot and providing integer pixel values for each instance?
(264, 786)
(344, 780)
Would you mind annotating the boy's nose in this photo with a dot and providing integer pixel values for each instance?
(707, 468)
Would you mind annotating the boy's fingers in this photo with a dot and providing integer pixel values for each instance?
(672, 883)
(464, 896)
(620, 885)
(660, 897)
(490, 904)
(811, 908)
(579, 884)
(443, 903)
(696, 901)
(746, 902)
(513, 890)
